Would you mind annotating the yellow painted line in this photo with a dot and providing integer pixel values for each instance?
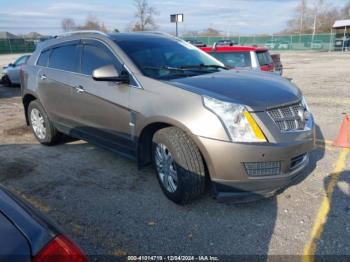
(327, 142)
(326, 147)
(321, 218)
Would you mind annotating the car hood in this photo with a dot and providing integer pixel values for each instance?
(257, 90)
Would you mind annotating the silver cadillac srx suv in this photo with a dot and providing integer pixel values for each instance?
(162, 101)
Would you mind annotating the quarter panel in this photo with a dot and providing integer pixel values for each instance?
(13, 245)
(32, 226)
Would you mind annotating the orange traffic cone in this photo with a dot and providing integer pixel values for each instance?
(343, 139)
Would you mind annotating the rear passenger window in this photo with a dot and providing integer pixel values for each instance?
(264, 58)
(94, 57)
(43, 58)
(65, 58)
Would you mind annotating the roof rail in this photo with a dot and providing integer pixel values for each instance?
(157, 33)
(81, 32)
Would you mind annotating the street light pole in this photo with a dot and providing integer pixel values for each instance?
(177, 18)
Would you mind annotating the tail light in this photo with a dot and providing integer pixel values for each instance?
(60, 249)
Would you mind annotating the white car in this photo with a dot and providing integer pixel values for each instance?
(284, 45)
(316, 44)
(271, 45)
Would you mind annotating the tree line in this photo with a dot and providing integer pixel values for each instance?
(309, 16)
(316, 16)
(144, 20)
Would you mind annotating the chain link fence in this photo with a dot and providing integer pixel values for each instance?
(18, 45)
(320, 42)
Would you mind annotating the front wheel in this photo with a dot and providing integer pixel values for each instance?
(6, 81)
(42, 127)
(179, 165)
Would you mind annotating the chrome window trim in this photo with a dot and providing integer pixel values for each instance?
(80, 74)
(139, 86)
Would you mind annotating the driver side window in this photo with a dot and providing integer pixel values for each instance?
(95, 56)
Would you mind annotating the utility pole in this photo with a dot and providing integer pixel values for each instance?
(314, 29)
(303, 4)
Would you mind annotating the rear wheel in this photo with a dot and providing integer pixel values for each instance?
(42, 127)
(179, 165)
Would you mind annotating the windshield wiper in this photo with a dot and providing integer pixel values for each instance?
(203, 66)
(182, 71)
(164, 68)
(199, 68)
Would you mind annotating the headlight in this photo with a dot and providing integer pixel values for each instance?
(239, 124)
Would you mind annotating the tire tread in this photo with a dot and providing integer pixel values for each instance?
(190, 158)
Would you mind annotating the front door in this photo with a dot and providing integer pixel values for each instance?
(101, 108)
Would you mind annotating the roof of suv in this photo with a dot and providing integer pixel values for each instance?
(235, 48)
(75, 35)
(134, 36)
(117, 36)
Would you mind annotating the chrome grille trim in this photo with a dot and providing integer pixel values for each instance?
(287, 118)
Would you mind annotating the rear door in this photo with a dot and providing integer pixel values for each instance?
(57, 78)
(100, 108)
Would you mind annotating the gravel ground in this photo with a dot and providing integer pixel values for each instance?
(110, 207)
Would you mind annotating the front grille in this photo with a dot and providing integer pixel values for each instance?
(288, 118)
(256, 169)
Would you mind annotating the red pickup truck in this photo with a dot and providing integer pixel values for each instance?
(242, 56)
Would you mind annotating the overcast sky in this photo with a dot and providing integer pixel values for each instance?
(229, 16)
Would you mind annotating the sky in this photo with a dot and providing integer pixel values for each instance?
(228, 16)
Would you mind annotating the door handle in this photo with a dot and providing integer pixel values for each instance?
(79, 89)
(43, 77)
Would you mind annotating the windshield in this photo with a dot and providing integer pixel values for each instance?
(234, 59)
(21, 60)
(163, 58)
(264, 58)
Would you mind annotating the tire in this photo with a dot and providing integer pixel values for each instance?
(187, 163)
(51, 136)
(5, 80)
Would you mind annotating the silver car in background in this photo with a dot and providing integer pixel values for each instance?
(10, 73)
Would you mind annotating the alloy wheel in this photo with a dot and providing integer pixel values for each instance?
(38, 123)
(166, 169)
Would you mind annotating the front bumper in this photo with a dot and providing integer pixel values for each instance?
(229, 175)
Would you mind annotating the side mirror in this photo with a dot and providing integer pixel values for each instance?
(12, 65)
(109, 73)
